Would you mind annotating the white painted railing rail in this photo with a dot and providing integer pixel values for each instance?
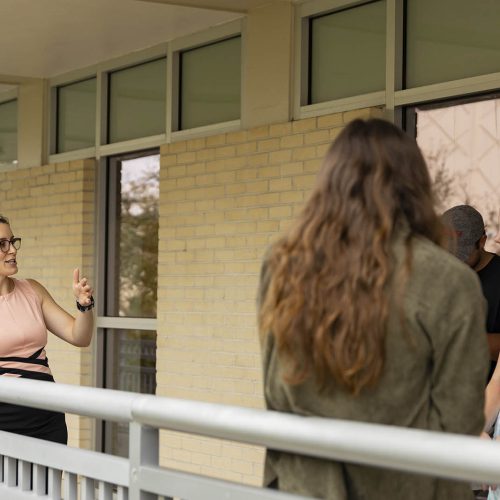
(141, 477)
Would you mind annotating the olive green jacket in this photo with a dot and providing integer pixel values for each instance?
(434, 381)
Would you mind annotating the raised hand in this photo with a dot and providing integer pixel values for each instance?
(82, 290)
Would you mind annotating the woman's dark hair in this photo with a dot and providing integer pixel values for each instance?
(4, 220)
(326, 302)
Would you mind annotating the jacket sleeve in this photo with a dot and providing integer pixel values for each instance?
(460, 358)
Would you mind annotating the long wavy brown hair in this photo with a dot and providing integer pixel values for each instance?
(326, 296)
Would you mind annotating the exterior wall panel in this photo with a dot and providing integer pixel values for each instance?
(223, 200)
(52, 208)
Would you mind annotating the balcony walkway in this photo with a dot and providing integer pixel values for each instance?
(31, 468)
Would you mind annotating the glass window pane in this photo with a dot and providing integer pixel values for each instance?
(131, 366)
(134, 252)
(211, 84)
(8, 132)
(76, 116)
(451, 39)
(347, 53)
(461, 144)
(137, 101)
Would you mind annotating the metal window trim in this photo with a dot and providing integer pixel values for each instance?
(105, 107)
(101, 71)
(77, 154)
(214, 128)
(339, 105)
(123, 147)
(119, 323)
(6, 98)
(101, 109)
(52, 122)
(393, 51)
(315, 8)
(453, 88)
(202, 39)
(301, 63)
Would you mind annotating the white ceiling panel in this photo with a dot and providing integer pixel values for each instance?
(228, 5)
(45, 38)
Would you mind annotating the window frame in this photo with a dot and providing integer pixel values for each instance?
(394, 97)
(54, 124)
(170, 50)
(105, 324)
(192, 42)
(6, 97)
(302, 109)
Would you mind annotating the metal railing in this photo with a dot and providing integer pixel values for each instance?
(32, 468)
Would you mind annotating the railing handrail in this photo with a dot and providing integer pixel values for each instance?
(428, 452)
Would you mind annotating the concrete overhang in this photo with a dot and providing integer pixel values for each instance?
(242, 6)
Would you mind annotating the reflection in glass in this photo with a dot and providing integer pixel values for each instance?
(136, 245)
(131, 366)
(461, 144)
(347, 53)
(137, 99)
(451, 39)
(8, 132)
(76, 105)
(211, 84)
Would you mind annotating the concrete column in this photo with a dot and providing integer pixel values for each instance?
(267, 65)
(31, 135)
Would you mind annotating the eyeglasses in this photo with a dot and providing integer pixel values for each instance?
(5, 244)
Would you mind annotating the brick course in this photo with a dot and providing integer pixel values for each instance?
(220, 208)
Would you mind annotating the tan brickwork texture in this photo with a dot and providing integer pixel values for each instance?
(52, 208)
(224, 199)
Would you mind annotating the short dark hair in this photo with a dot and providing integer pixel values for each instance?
(4, 220)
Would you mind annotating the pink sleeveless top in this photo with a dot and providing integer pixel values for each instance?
(23, 334)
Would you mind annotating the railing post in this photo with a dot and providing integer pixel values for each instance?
(143, 450)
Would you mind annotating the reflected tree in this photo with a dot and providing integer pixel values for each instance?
(139, 246)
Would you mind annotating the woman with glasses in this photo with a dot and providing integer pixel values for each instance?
(364, 316)
(27, 311)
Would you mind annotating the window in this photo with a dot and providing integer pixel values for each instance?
(210, 84)
(8, 132)
(76, 107)
(129, 362)
(461, 144)
(137, 97)
(451, 39)
(347, 53)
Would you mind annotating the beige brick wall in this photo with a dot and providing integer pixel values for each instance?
(52, 208)
(223, 200)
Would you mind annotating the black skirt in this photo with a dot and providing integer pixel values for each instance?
(33, 422)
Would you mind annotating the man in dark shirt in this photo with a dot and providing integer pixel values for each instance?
(467, 244)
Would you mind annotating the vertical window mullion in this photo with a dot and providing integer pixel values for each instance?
(8, 132)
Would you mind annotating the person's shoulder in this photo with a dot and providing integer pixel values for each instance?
(441, 267)
(491, 269)
(495, 260)
(37, 288)
(440, 283)
(33, 283)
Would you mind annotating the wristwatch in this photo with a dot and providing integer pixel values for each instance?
(87, 307)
